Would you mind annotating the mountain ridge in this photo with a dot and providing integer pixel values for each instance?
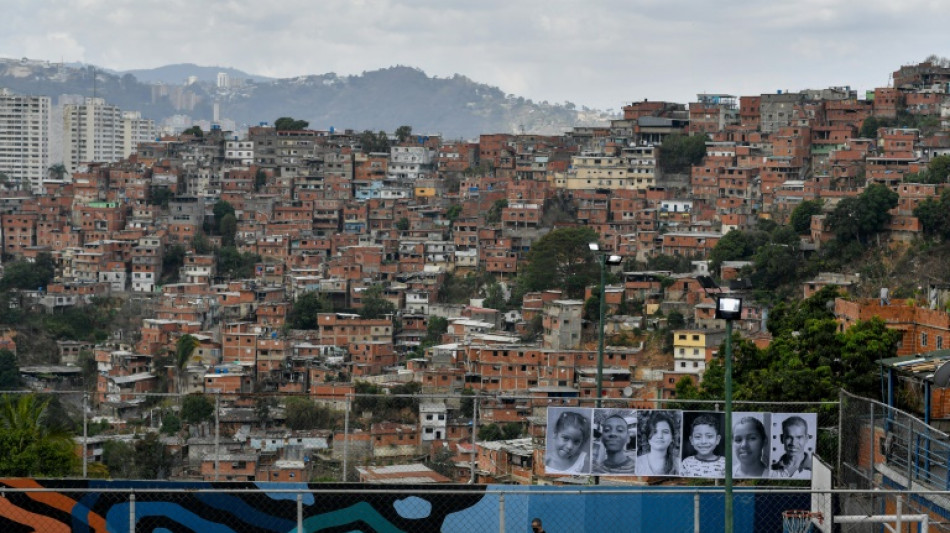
(382, 99)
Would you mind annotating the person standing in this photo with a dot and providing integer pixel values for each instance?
(536, 526)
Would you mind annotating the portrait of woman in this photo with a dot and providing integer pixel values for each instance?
(615, 431)
(750, 445)
(659, 443)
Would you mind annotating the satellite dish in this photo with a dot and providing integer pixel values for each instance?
(942, 375)
(627, 392)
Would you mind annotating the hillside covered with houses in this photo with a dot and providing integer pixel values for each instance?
(315, 288)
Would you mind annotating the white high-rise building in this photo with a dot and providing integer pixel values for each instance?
(136, 130)
(96, 132)
(92, 131)
(24, 138)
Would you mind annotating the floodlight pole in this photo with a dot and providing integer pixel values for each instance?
(600, 343)
(728, 424)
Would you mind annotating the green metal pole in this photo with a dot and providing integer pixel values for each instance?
(600, 344)
(728, 424)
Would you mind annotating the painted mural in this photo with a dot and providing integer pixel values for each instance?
(171, 507)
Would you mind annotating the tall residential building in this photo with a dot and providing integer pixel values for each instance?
(24, 138)
(136, 130)
(96, 132)
(92, 131)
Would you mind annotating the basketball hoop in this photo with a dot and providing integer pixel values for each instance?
(800, 521)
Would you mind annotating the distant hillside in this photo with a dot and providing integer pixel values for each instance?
(385, 99)
(177, 74)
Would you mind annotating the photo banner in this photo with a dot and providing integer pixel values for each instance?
(672, 443)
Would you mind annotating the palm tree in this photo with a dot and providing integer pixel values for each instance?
(27, 446)
(183, 349)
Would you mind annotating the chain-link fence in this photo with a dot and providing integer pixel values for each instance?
(483, 509)
(889, 465)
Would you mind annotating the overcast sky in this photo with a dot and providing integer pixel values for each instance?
(602, 54)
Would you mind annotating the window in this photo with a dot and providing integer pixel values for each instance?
(939, 342)
(923, 339)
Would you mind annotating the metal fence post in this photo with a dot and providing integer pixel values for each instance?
(299, 512)
(898, 508)
(131, 512)
(841, 400)
(909, 442)
(346, 436)
(474, 455)
(871, 444)
(217, 457)
(696, 512)
(85, 434)
(501, 513)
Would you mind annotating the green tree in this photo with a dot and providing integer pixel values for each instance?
(467, 406)
(233, 264)
(151, 458)
(28, 448)
(453, 212)
(679, 153)
(9, 371)
(511, 430)
(675, 320)
(201, 244)
(774, 264)
(303, 414)
(737, 245)
(196, 408)
(934, 215)
(184, 347)
(160, 196)
(490, 432)
(495, 297)
(290, 124)
(435, 328)
(263, 407)
(939, 168)
(220, 210)
(260, 179)
(402, 224)
(375, 305)
(172, 261)
(674, 263)
(801, 215)
(870, 126)
(116, 455)
(171, 423)
(562, 258)
(374, 142)
(27, 275)
(808, 358)
(303, 314)
(862, 217)
(194, 130)
(228, 229)
(493, 215)
(403, 133)
(57, 171)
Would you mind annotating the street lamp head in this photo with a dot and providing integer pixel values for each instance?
(728, 308)
(614, 259)
(594, 247)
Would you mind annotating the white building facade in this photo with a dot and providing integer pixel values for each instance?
(24, 139)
